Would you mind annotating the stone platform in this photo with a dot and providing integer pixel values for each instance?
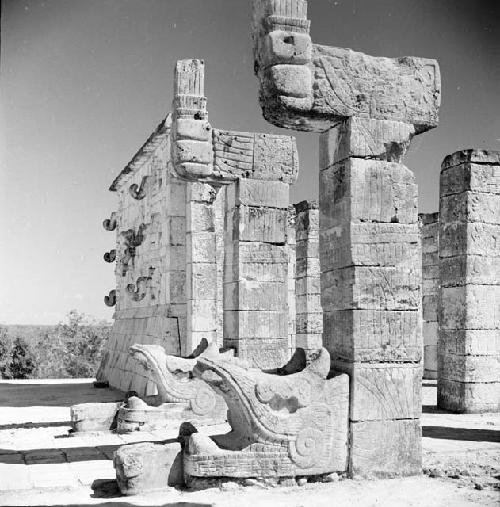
(40, 464)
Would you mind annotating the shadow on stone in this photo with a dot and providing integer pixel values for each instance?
(105, 488)
(466, 434)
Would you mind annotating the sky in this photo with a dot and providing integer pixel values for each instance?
(84, 82)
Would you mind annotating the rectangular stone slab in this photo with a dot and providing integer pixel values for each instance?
(468, 398)
(383, 391)
(367, 191)
(146, 467)
(386, 448)
(373, 335)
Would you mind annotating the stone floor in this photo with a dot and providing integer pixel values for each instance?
(41, 464)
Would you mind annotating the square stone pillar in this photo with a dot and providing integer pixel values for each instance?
(201, 265)
(309, 312)
(370, 289)
(469, 297)
(292, 298)
(256, 271)
(429, 223)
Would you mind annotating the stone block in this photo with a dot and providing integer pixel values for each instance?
(365, 138)
(430, 361)
(430, 333)
(469, 269)
(305, 285)
(262, 353)
(201, 247)
(429, 306)
(177, 231)
(275, 158)
(269, 194)
(201, 282)
(476, 342)
(359, 190)
(311, 322)
(384, 449)
(93, 416)
(470, 307)
(473, 156)
(383, 391)
(246, 324)
(255, 295)
(200, 217)
(267, 225)
(201, 315)
(370, 244)
(197, 130)
(308, 248)
(255, 271)
(373, 335)
(146, 467)
(469, 238)
(468, 368)
(468, 397)
(470, 177)
(470, 207)
(363, 287)
(308, 266)
(309, 341)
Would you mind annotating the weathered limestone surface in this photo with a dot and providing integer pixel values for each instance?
(469, 296)
(309, 312)
(367, 109)
(306, 86)
(429, 223)
(256, 171)
(282, 426)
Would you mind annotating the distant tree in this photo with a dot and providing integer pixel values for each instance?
(5, 353)
(74, 348)
(23, 359)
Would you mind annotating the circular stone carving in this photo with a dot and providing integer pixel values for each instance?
(306, 451)
(204, 401)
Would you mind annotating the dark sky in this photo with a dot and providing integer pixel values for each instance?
(84, 82)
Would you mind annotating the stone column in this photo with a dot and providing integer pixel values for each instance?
(257, 170)
(292, 304)
(201, 265)
(256, 272)
(370, 289)
(367, 109)
(469, 296)
(309, 312)
(429, 223)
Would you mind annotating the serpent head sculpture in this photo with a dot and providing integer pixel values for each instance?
(291, 425)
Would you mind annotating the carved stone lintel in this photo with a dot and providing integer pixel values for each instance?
(110, 223)
(309, 87)
(111, 299)
(139, 192)
(110, 256)
(202, 153)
